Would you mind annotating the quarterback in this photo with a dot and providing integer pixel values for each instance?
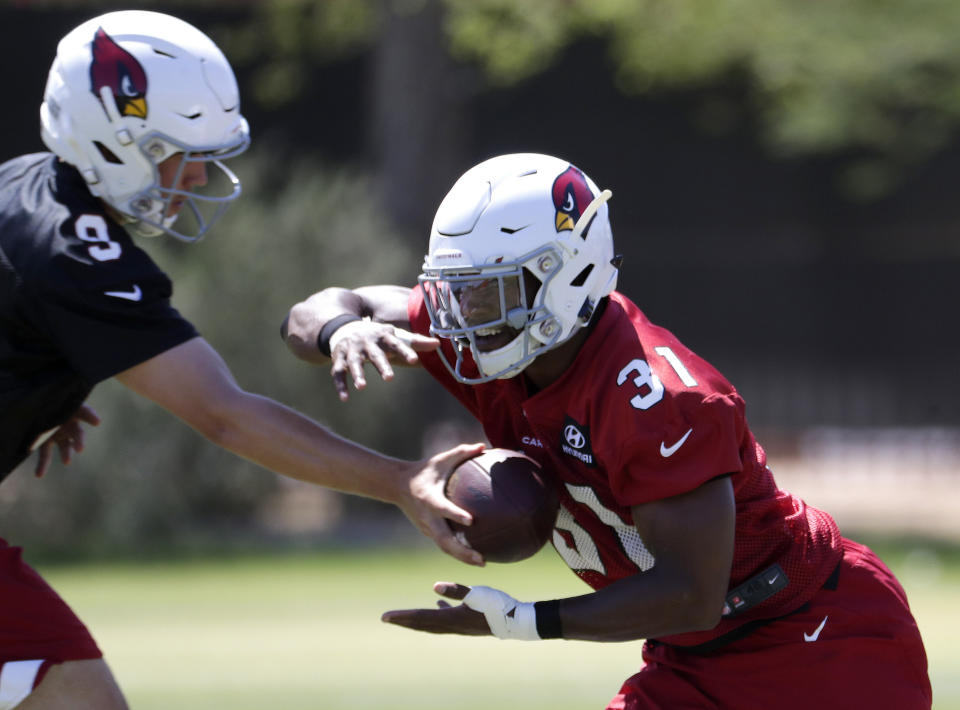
(140, 109)
(746, 596)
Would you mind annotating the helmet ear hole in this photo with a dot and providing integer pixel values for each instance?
(531, 285)
(581, 278)
(107, 154)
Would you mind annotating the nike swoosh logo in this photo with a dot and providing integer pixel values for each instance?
(134, 294)
(816, 634)
(667, 451)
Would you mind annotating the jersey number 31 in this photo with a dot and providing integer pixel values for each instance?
(648, 383)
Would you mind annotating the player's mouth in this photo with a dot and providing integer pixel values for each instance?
(489, 339)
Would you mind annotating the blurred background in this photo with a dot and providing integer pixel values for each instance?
(784, 176)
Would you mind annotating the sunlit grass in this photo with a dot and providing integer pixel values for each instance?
(303, 631)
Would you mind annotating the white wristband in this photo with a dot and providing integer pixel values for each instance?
(507, 618)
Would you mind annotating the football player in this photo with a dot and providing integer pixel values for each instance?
(746, 596)
(140, 111)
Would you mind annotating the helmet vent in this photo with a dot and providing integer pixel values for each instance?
(162, 53)
(513, 230)
(582, 276)
(107, 154)
(586, 230)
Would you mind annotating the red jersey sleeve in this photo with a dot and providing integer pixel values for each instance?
(417, 312)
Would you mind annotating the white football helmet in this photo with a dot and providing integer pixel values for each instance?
(521, 252)
(130, 89)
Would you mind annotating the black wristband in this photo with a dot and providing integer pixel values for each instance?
(330, 327)
(548, 619)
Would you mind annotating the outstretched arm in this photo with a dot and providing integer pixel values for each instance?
(352, 327)
(691, 538)
(194, 383)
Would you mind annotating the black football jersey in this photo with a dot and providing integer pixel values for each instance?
(79, 301)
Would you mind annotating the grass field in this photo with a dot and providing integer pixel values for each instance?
(303, 631)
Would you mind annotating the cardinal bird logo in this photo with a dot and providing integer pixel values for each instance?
(571, 195)
(117, 69)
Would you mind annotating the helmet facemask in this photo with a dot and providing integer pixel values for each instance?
(184, 213)
(492, 312)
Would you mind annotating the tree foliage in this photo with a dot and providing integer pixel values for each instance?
(826, 74)
(874, 79)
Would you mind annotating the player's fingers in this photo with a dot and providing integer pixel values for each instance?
(78, 439)
(429, 620)
(88, 415)
(423, 344)
(408, 344)
(453, 547)
(446, 461)
(415, 341)
(64, 446)
(450, 620)
(451, 590)
(68, 431)
(449, 510)
(338, 371)
(355, 366)
(399, 346)
(462, 452)
(69, 438)
(340, 384)
(44, 454)
(432, 621)
(379, 360)
(445, 464)
(403, 617)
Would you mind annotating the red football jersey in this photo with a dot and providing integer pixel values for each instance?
(639, 417)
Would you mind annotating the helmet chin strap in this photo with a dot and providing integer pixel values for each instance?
(143, 229)
(133, 225)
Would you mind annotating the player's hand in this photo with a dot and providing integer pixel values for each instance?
(68, 438)
(354, 344)
(422, 499)
(446, 619)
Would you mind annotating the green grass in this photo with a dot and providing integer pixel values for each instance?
(303, 631)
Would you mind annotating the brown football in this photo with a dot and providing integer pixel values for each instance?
(514, 506)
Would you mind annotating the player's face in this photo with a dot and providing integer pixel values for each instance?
(193, 175)
(480, 303)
